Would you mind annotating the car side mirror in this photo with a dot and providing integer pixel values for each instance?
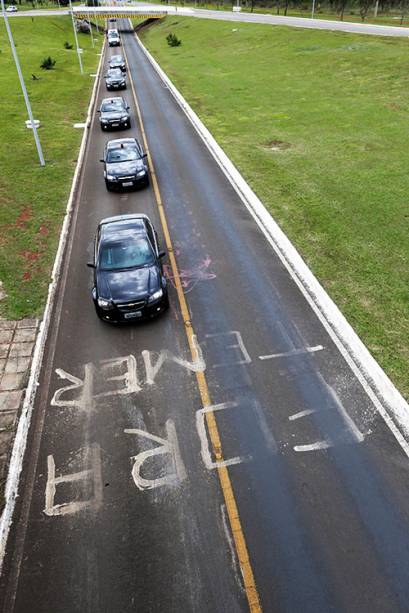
(102, 161)
(127, 108)
(99, 110)
(161, 254)
(144, 156)
(90, 265)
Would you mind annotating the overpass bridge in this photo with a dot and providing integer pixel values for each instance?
(120, 10)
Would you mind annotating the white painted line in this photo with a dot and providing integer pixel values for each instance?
(313, 446)
(291, 353)
(19, 446)
(301, 414)
(233, 554)
(204, 445)
(350, 424)
(385, 397)
(167, 445)
(80, 125)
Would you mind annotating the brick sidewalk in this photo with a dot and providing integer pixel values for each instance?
(17, 340)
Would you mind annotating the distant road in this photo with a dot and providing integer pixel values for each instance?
(297, 22)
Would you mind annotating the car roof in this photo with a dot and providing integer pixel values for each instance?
(118, 143)
(115, 228)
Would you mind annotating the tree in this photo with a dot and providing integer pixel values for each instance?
(341, 6)
(364, 6)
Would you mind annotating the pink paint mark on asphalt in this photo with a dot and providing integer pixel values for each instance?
(189, 278)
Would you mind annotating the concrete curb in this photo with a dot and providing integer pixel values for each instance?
(386, 398)
(19, 446)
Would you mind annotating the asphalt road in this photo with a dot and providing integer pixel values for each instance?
(320, 483)
(278, 20)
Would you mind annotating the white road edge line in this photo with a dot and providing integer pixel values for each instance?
(385, 397)
(19, 446)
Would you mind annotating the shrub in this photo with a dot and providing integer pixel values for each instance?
(67, 45)
(48, 63)
(173, 40)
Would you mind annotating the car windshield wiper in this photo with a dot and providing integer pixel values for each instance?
(121, 161)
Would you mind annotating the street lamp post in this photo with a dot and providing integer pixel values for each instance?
(90, 30)
(23, 86)
(76, 39)
(313, 9)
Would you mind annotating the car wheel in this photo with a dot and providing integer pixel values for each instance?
(108, 186)
(128, 125)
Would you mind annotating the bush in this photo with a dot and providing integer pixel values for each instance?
(48, 63)
(173, 40)
(67, 45)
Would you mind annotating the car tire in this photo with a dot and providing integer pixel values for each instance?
(108, 186)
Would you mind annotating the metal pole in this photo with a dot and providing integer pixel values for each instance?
(76, 39)
(23, 86)
(313, 9)
(90, 30)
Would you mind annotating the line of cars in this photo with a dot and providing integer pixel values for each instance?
(129, 282)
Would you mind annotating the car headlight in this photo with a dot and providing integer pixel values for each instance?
(140, 173)
(124, 118)
(105, 304)
(111, 177)
(104, 120)
(156, 295)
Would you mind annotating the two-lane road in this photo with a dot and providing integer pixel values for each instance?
(122, 508)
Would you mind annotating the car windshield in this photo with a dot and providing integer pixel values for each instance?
(132, 253)
(112, 105)
(115, 73)
(125, 154)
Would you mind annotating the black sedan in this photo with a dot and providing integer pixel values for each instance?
(129, 284)
(117, 61)
(124, 164)
(114, 113)
(115, 79)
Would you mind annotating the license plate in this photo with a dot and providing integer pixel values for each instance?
(115, 125)
(133, 315)
(127, 184)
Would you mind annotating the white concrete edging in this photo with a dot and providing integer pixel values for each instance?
(19, 446)
(388, 401)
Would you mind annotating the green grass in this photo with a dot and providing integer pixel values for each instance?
(318, 124)
(390, 18)
(33, 199)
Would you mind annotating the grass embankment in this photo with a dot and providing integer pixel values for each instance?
(390, 18)
(33, 199)
(318, 124)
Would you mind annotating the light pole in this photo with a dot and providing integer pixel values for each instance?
(90, 30)
(23, 86)
(313, 9)
(76, 38)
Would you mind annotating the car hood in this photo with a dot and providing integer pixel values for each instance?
(113, 114)
(116, 64)
(127, 285)
(118, 169)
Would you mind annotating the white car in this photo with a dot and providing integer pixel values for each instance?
(11, 9)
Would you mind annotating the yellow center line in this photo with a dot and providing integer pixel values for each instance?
(224, 477)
